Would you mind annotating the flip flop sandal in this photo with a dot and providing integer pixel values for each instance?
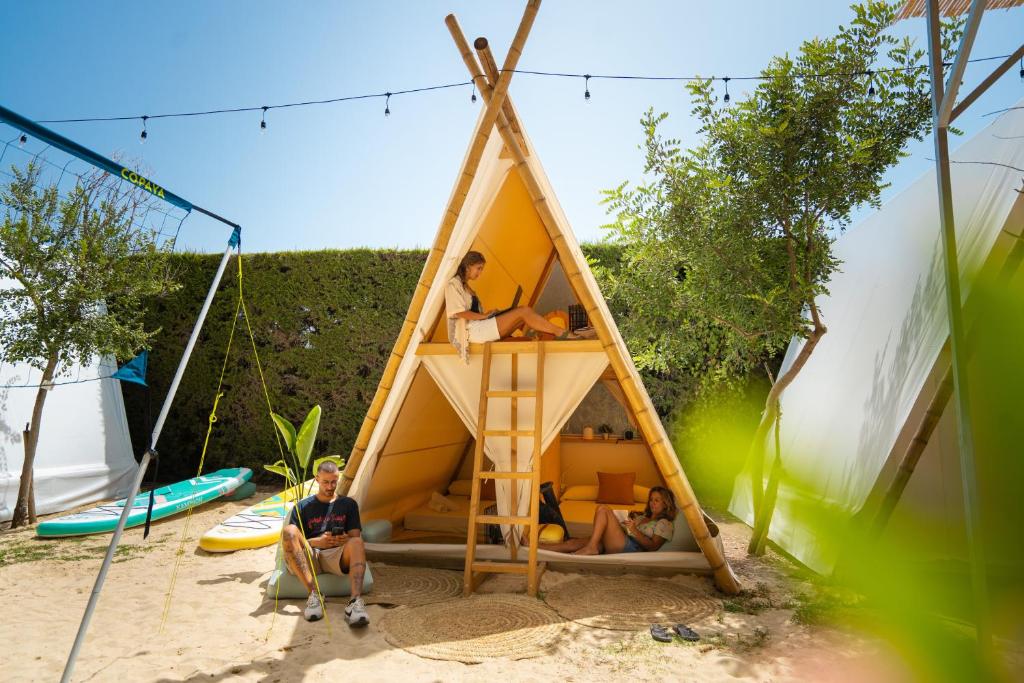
(686, 633)
(660, 633)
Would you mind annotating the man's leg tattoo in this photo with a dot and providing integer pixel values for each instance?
(357, 570)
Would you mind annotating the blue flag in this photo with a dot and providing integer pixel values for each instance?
(134, 370)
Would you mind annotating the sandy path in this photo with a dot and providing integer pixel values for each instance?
(220, 628)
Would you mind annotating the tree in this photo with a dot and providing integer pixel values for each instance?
(83, 268)
(730, 242)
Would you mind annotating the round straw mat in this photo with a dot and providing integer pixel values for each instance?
(475, 629)
(628, 603)
(412, 585)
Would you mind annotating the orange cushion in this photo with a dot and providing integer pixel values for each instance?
(615, 488)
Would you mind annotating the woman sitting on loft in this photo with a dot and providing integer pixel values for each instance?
(467, 323)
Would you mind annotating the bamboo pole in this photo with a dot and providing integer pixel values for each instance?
(433, 264)
(622, 364)
(491, 70)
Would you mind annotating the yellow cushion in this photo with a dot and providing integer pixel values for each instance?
(641, 493)
(463, 487)
(551, 533)
(581, 493)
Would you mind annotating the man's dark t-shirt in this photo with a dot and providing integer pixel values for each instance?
(344, 512)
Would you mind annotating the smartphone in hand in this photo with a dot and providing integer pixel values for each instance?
(337, 531)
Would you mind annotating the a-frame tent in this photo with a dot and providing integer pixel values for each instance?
(869, 429)
(422, 420)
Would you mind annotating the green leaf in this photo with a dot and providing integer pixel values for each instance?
(287, 431)
(307, 436)
(336, 459)
(281, 467)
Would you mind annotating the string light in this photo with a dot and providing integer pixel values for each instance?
(387, 104)
(871, 83)
(263, 121)
(22, 140)
(143, 135)
(726, 98)
(586, 77)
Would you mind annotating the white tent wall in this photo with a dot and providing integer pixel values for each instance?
(84, 452)
(848, 411)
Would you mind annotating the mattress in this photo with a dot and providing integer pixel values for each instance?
(455, 521)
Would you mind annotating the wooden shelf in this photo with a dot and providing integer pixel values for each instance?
(599, 439)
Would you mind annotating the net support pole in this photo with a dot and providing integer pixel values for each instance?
(942, 105)
(83, 628)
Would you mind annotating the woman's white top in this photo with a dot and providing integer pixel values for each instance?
(458, 298)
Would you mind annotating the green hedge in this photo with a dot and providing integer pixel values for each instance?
(324, 324)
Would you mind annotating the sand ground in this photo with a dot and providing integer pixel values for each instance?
(219, 627)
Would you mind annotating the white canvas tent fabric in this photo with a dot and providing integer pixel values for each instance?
(84, 452)
(571, 375)
(887, 322)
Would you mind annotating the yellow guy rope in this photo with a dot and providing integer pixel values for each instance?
(299, 487)
(239, 307)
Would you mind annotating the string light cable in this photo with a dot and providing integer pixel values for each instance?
(586, 77)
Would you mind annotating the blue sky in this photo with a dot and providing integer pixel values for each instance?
(343, 175)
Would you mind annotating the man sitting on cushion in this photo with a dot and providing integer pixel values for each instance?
(329, 535)
(644, 533)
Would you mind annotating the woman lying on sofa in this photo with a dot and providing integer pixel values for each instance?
(640, 532)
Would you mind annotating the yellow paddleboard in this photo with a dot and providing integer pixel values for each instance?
(256, 526)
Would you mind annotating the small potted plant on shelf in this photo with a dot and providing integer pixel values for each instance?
(606, 430)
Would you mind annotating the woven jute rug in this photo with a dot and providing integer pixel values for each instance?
(628, 603)
(412, 585)
(475, 629)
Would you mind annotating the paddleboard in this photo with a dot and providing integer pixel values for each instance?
(256, 526)
(168, 500)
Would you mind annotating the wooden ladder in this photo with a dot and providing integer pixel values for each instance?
(476, 569)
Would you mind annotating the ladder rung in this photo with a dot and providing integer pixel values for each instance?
(506, 475)
(512, 394)
(507, 432)
(502, 567)
(501, 519)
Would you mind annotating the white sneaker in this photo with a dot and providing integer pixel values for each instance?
(355, 613)
(314, 608)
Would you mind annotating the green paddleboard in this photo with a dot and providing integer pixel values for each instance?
(167, 501)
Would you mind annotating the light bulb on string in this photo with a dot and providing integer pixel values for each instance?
(871, 84)
(472, 98)
(143, 135)
(726, 98)
(387, 104)
(263, 122)
(586, 87)
(22, 140)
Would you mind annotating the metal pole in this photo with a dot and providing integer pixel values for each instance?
(956, 330)
(83, 628)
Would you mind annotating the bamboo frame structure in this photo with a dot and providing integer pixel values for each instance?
(648, 421)
(451, 215)
(494, 91)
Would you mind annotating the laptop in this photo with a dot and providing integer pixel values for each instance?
(515, 303)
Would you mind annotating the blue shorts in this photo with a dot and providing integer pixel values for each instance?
(632, 546)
